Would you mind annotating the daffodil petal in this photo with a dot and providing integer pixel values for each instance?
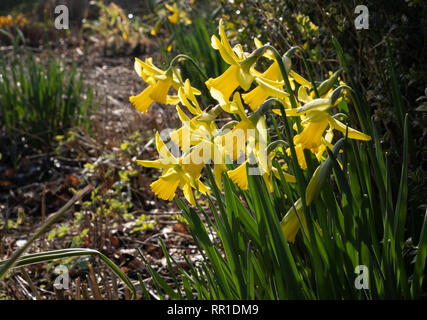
(143, 100)
(188, 193)
(239, 177)
(300, 80)
(151, 164)
(226, 83)
(352, 133)
(160, 90)
(165, 189)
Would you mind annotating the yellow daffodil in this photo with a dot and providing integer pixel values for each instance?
(188, 99)
(239, 175)
(256, 150)
(315, 121)
(192, 131)
(315, 124)
(156, 28)
(235, 106)
(235, 141)
(180, 172)
(177, 14)
(257, 96)
(238, 74)
(160, 82)
(203, 134)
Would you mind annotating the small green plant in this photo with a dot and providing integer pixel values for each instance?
(42, 100)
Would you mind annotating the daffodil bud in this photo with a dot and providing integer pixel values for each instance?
(291, 222)
(326, 85)
(316, 104)
(156, 28)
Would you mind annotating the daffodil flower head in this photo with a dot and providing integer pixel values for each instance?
(187, 97)
(257, 162)
(271, 78)
(316, 119)
(176, 172)
(177, 14)
(160, 82)
(193, 131)
(238, 74)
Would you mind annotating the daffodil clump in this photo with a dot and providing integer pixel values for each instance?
(245, 145)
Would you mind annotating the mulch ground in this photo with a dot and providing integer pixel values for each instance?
(41, 184)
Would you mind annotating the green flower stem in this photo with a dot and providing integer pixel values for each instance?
(182, 57)
(304, 60)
